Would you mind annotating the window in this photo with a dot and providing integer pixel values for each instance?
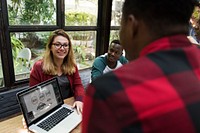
(116, 12)
(27, 47)
(81, 12)
(84, 47)
(116, 19)
(114, 34)
(1, 74)
(28, 12)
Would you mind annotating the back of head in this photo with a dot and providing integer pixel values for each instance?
(159, 14)
(115, 41)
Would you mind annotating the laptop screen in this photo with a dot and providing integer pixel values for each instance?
(39, 99)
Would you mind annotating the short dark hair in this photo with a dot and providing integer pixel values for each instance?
(115, 41)
(159, 14)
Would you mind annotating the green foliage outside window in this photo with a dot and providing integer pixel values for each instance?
(20, 64)
(114, 34)
(196, 21)
(31, 12)
(77, 18)
(79, 51)
(17, 45)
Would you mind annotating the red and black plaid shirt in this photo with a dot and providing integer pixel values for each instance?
(157, 93)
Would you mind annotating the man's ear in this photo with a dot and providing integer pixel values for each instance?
(133, 23)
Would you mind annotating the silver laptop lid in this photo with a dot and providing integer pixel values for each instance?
(36, 101)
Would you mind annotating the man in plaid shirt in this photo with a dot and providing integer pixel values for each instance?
(159, 90)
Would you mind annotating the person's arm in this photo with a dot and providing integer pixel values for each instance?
(98, 66)
(35, 74)
(78, 91)
(97, 115)
(77, 86)
(123, 60)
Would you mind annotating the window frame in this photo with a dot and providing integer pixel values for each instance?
(102, 37)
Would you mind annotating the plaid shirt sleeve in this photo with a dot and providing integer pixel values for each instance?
(94, 118)
(96, 109)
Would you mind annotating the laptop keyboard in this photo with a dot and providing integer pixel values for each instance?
(54, 119)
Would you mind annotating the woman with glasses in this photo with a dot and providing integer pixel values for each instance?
(58, 60)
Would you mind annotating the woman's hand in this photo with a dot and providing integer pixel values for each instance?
(25, 130)
(79, 106)
(24, 123)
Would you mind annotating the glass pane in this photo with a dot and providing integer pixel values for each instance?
(31, 12)
(116, 12)
(28, 47)
(195, 25)
(1, 75)
(81, 12)
(84, 44)
(114, 34)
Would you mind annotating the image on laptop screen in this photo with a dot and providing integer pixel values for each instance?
(40, 100)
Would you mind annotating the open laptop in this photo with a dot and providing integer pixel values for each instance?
(44, 110)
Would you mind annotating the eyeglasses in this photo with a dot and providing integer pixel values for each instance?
(59, 45)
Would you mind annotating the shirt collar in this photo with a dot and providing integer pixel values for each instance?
(166, 43)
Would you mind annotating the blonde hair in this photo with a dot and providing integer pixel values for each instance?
(49, 67)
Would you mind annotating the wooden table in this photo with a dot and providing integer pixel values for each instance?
(14, 124)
